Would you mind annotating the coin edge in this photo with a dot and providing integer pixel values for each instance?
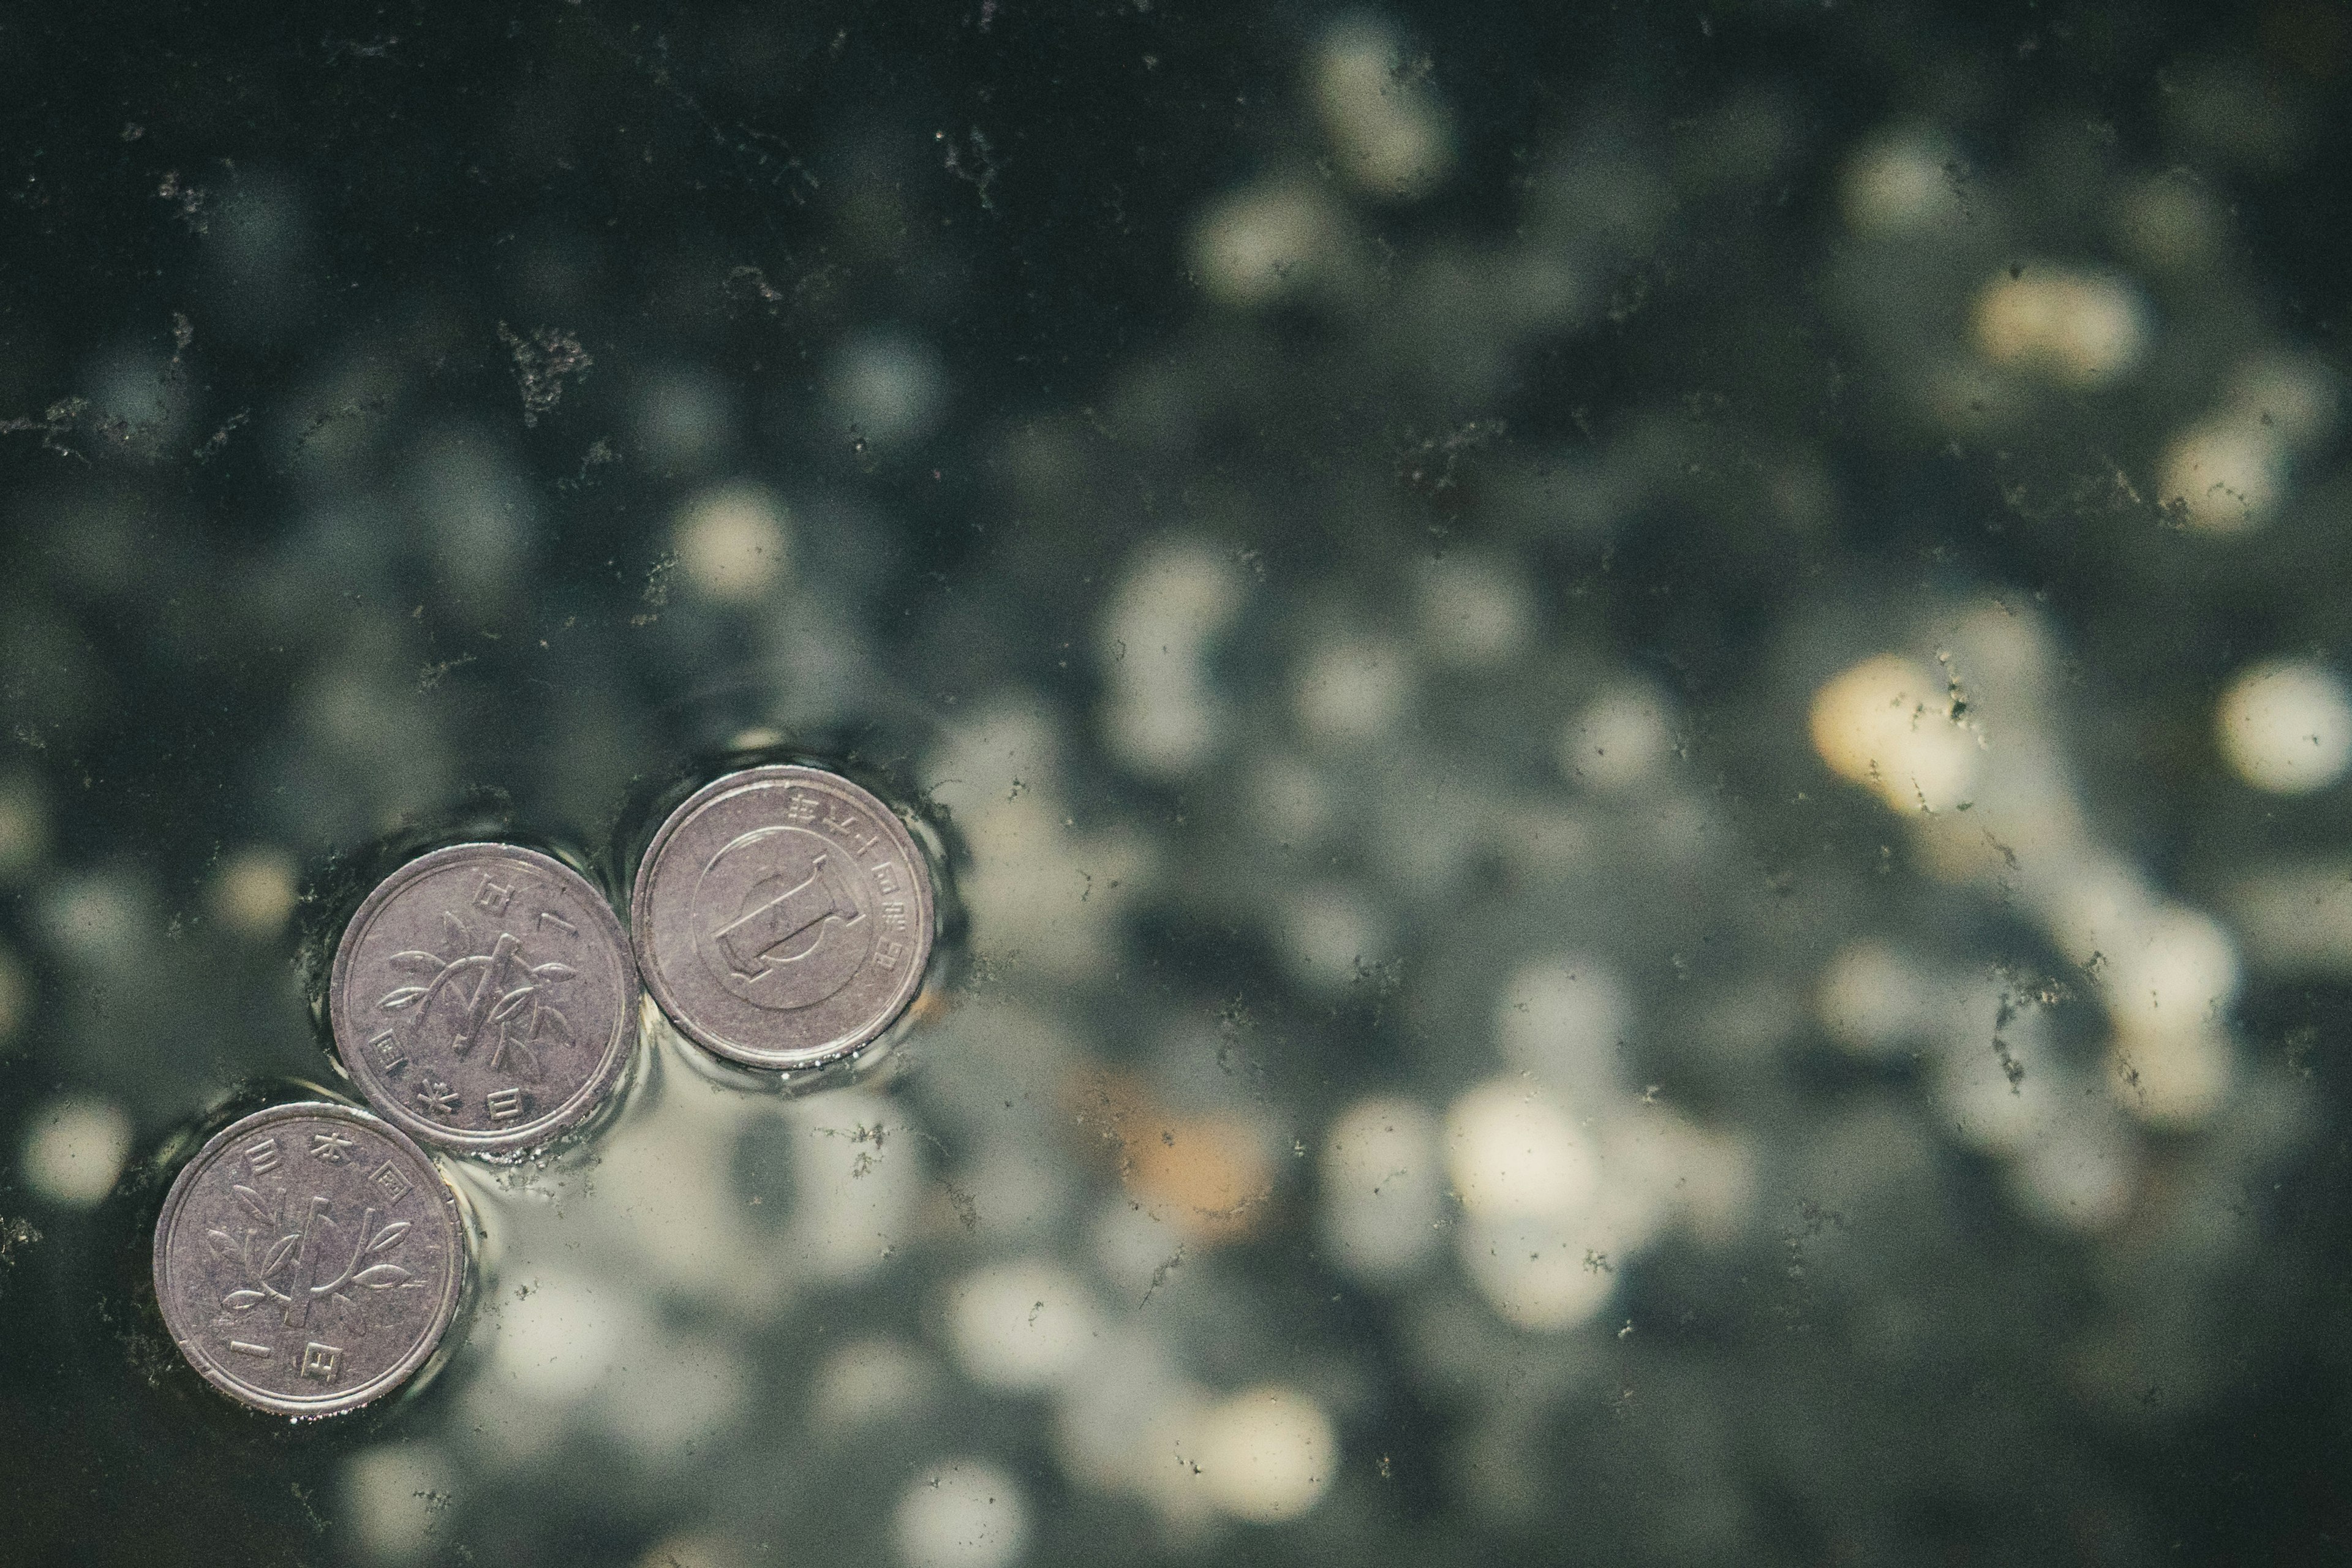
(534, 1134)
(444, 1311)
(768, 775)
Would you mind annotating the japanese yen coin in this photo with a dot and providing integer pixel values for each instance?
(484, 997)
(783, 917)
(308, 1259)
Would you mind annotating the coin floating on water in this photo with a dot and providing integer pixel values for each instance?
(782, 916)
(308, 1259)
(484, 997)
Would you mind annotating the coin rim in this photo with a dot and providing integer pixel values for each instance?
(216, 1372)
(771, 775)
(544, 1128)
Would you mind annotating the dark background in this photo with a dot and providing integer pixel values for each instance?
(359, 219)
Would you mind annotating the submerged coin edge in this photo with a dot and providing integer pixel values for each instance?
(546, 1129)
(770, 775)
(215, 1373)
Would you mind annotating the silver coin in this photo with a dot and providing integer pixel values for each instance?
(484, 997)
(782, 916)
(308, 1259)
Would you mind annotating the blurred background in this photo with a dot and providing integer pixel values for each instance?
(1645, 711)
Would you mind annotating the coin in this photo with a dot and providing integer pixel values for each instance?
(782, 916)
(308, 1259)
(484, 997)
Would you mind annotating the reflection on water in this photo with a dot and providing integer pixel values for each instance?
(1641, 738)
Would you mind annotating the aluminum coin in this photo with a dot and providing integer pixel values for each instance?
(484, 997)
(782, 916)
(308, 1259)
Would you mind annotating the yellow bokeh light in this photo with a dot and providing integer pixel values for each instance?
(1887, 724)
(2076, 328)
